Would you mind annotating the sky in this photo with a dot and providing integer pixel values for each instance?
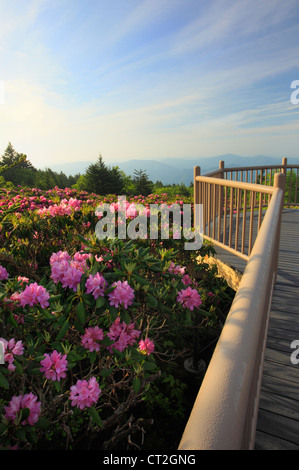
(148, 79)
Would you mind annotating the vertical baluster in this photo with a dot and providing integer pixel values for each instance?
(296, 189)
(220, 210)
(225, 215)
(204, 194)
(196, 199)
(231, 216)
(209, 208)
(260, 211)
(266, 184)
(244, 221)
(251, 222)
(238, 218)
(214, 210)
(290, 186)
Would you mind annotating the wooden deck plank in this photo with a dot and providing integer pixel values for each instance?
(279, 407)
(278, 418)
(265, 441)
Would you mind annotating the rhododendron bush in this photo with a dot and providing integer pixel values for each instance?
(92, 330)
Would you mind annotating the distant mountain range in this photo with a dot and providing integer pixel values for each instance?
(174, 170)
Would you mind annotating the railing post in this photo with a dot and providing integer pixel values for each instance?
(284, 163)
(221, 189)
(279, 182)
(197, 195)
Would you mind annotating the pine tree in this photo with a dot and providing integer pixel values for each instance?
(142, 183)
(102, 180)
(22, 172)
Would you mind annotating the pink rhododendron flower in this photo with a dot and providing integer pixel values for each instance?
(20, 402)
(147, 346)
(90, 338)
(54, 366)
(189, 298)
(59, 256)
(122, 294)
(176, 269)
(11, 349)
(85, 393)
(3, 273)
(71, 278)
(122, 334)
(80, 261)
(66, 270)
(96, 285)
(187, 280)
(23, 279)
(34, 294)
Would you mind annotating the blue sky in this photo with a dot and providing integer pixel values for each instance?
(148, 78)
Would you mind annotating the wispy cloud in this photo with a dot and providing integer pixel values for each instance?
(147, 78)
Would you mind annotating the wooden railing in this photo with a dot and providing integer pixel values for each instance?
(235, 201)
(242, 213)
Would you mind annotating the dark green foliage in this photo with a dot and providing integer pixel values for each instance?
(142, 183)
(102, 180)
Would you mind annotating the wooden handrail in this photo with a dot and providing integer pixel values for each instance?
(225, 411)
(259, 188)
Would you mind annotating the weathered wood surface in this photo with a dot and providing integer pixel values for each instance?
(278, 419)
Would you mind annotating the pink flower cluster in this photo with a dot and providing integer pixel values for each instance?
(96, 285)
(66, 270)
(3, 273)
(122, 334)
(17, 403)
(66, 207)
(122, 294)
(12, 349)
(91, 337)
(189, 298)
(54, 366)
(146, 346)
(176, 269)
(129, 208)
(187, 280)
(85, 393)
(34, 294)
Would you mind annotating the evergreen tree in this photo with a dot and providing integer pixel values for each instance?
(103, 180)
(142, 183)
(22, 173)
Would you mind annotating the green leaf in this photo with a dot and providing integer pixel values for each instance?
(4, 382)
(13, 321)
(93, 356)
(81, 312)
(34, 371)
(140, 280)
(3, 427)
(136, 384)
(150, 366)
(20, 434)
(43, 423)
(54, 298)
(100, 302)
(95, 416)
(25, 414)
(152, 301)
(125, 317)
(106, 372)
(63, 330)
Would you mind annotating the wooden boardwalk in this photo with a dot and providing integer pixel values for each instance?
(278, 419)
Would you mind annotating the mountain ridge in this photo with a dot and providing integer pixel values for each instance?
(174, 170)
